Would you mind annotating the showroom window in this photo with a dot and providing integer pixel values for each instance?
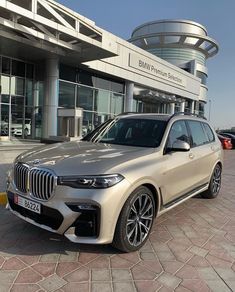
(99, 97)
(68, 73)
(21, 106)
(102, 101)
(85, 98)
(67, 95)
(202, 76)
(6, 65)
(18, 68)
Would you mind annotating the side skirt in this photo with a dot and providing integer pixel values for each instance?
(183, 198)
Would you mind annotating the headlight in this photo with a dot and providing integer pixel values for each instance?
(90, 182)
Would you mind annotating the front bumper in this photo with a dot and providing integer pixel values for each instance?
(82, 215)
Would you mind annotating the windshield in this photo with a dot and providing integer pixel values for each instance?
(96, 132)
(131, 132)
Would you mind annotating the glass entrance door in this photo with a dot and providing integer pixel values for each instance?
(4, 120)
(17, 117)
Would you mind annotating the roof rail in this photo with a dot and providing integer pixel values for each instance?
(187, 114)
(127, 113)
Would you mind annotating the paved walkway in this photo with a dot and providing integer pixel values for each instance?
(191, 248)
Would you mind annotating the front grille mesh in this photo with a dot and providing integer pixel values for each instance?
(38, 182)
(41, 184)
(20, 176)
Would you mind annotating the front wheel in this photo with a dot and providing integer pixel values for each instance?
(215, 184)
(135, 220)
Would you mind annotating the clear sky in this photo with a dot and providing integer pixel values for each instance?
(120, 17)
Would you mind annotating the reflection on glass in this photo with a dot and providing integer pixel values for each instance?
(202, 76)
(18, 68)
(29, 71)
(20, 100)
(4, 119)
(86, 78)
(102, 83)
(88, 122)
(68, 73)
(4, 98)
(117, 103)
(17, 111)
(102, 98)
(117, 87)
(5, 84)
(41, 94)
(85, 98)
(17, 86)
(67, 95)
(6, 65)
(29, 93)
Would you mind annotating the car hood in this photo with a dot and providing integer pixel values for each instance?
(82, 158)
(13, 125)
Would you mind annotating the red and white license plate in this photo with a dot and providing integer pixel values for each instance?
(27, 204)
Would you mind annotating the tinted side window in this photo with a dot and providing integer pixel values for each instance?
(198, 134)
(178, 132)
(209, 132)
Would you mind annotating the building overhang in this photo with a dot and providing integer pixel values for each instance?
(53, 29)
(204, 44)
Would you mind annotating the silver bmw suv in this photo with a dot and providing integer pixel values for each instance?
(110, 186)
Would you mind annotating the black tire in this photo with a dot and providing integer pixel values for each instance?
(139, 210)
(215, 184)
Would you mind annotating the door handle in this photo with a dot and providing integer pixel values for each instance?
(191, 155)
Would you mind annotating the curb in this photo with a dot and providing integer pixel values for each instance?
(3, 199)
(14, 149)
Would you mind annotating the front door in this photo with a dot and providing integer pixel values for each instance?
(179, 169)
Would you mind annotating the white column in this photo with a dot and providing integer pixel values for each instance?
(182, 107)
(51, 98)
(192, 105)
(129, 96)
(172, 108)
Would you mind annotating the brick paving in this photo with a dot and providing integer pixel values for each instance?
(191, 248)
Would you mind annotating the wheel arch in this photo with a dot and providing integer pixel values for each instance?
(156, 196)
(148, 184)
(220, 163)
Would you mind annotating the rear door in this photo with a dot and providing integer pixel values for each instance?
(204, 148)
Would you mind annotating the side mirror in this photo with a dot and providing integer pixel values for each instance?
(179, 145)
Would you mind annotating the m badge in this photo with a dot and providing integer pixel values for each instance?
(36, 161)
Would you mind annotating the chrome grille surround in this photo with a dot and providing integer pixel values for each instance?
(37, 182)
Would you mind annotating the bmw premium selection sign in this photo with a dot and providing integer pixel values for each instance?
(156, 69)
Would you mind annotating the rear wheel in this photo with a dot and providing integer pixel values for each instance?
(135, 220)
(215, 184)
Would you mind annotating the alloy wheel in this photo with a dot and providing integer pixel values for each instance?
(140, 219)
(216, 180)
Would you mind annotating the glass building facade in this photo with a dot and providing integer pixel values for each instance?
(22, 96)
(99, 97)
(21, 99)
